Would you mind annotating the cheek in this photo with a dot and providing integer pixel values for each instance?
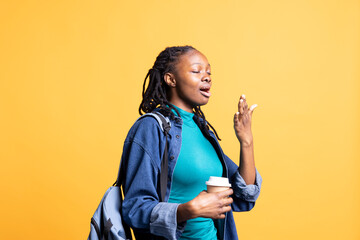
(190, 90)
(190, 84)
(187, 86)
(186, 90)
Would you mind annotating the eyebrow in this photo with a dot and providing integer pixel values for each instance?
(199, 63)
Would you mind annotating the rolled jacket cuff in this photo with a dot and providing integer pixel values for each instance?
(163, 221)
(249, 192)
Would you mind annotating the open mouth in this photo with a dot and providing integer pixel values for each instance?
(205, 91)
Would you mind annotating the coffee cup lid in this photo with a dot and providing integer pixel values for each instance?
(218, 182)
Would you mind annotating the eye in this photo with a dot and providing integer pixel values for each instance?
(195, 71)
(209, 73)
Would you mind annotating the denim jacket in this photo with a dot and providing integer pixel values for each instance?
(141, 208)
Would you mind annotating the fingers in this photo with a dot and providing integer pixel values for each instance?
(225, 193)
(252, 108)
(226, 201)
(223, 210)
(240, 106)
(213, 205)
(236, 118)
(243, 107)
(226, 208)
(246, 108)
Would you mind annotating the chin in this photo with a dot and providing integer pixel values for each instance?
(202, 103)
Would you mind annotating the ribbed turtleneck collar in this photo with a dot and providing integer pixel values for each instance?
(185, 116)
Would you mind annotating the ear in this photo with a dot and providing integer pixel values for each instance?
(169, 79)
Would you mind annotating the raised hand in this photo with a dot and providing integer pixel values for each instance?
(242, 122)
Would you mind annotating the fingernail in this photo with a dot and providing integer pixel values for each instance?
(243, 96)
(237, 113)
(241, 100)
(253, 106)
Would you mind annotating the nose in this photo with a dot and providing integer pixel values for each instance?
(207, 78)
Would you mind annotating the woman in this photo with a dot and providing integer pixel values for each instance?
(179, 83)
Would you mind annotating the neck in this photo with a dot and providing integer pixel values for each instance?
(182, 105)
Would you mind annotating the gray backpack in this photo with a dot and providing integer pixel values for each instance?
(107, 222)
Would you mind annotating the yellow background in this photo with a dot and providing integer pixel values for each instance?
(71, 77)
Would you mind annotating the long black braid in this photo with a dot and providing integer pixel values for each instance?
(155, 94)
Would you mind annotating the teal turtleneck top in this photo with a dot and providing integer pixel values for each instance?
(197, 161)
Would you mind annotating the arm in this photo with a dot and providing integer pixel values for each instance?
(245, 194)
(245, 179)
(242, 126)
(247, 163)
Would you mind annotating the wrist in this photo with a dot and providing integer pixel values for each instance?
(185, 212)
(246, 144)
(245, 139)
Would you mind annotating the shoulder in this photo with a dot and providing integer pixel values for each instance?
(146, 131)
(147, 135)
(144, 125)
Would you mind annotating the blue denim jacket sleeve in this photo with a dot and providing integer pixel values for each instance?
(163, 221)
(141, 207)
(244, 195)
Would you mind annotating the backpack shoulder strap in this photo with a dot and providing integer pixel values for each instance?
(165, 126)
(164, 122)
(164, 161)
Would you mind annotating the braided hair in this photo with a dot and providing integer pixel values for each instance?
(155, 94)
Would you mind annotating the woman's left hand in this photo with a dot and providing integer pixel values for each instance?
(242, 122)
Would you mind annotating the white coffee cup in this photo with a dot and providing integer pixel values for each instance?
(217, 184)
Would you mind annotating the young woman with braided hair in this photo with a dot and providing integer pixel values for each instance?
(179, 84)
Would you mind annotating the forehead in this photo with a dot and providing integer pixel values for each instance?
(193, 57)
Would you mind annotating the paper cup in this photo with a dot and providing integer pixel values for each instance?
(217, 184)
